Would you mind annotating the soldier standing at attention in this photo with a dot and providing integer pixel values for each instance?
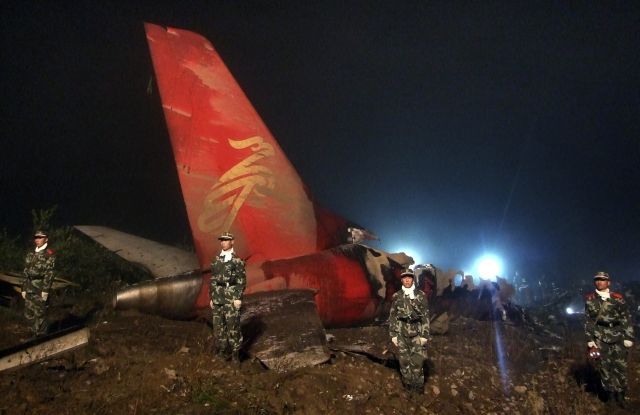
(609, 330)
(38, 277)
(409, 331)
(228, 281)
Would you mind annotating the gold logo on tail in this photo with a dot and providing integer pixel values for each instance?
(222, 204)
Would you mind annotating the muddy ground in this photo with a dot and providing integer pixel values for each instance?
(141, 364)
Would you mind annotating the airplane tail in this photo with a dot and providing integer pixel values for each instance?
(234, 175)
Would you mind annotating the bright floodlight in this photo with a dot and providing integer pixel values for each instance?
(489, 266)
(569, 310)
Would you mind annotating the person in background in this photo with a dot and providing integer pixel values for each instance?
(39, 267)
(610, 334)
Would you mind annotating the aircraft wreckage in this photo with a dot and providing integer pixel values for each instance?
(235, 177)
(306, 266)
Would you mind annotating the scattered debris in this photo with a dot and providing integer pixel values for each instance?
(147, 364)
(43, 348)
(272, 339)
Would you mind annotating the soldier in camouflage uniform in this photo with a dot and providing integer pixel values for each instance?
(409, 331)
(38, 277)
(228, 281)
(608, 328)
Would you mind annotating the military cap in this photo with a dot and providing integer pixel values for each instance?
(40, 233)
(226, 236)
(601, 275)
(407, 273)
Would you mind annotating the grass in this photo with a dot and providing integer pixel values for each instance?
(208, 393)
(78, 259)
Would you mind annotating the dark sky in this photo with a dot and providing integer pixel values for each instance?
(448, 128)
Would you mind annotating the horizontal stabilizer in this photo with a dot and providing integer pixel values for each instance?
(161, 260)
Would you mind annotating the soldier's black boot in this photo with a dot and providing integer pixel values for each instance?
(227, 353)
(218, 350)
(611, 398)
(620, 399)
(223, 351)
(41, 330)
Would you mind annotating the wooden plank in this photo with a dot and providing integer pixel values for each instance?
(41, 349)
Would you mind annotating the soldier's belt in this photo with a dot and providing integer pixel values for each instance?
(409, 320)
(223, 284)
(608, 324)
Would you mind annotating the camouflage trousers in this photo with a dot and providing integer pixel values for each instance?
(226, 327)
(35, 311)
(411, 359)
(612, 366)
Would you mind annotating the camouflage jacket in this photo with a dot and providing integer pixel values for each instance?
(607, 320)
(228, 280)
(38, 270)
(409, 318)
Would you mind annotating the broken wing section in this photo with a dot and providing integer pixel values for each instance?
(16, 281)
(234, 175)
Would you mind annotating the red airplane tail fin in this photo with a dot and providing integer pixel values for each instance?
(234, 175)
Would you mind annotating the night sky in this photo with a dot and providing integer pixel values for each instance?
(449, 129)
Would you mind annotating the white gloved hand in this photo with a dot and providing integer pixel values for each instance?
(44, 296)
(422, 341)
(211, 303)
(591, 344)
(627, 343)
(237, 303)
(24, 294)
(394, 340)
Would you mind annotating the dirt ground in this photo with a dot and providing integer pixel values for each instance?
(142, 364)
